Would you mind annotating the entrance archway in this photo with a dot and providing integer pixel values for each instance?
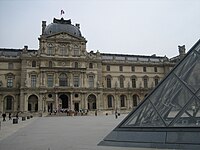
(33, 103)
(64, 101)
(92, 102)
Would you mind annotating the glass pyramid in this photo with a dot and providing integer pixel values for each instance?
(173, 100)
(169, 117)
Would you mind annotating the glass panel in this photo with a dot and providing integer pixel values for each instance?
(191, 116)
(145, 116)
(170, 98)
(198, 94)
(189, 71)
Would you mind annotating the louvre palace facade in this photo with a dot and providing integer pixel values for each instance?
(61, 74)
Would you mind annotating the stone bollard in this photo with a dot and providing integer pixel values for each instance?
(23, 118)
(15, 121)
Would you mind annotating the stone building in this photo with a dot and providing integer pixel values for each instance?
(61, 74)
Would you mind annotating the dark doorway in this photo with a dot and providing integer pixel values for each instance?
(50, 107)
(29, 107)
(76, 106)
(64, 100)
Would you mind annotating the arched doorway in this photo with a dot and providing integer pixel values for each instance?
(33, 103)
(135, 100)
(8, 104)
(64, 101)
(92, 102)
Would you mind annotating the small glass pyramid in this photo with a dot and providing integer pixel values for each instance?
(169, 117)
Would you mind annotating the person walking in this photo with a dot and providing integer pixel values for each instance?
(9, 116)
(116, 114)
(4, 116)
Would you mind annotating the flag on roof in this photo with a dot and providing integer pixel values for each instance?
(62, 12)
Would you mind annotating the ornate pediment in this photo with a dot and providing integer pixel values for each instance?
(63, 36)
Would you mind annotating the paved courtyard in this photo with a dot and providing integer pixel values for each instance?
(59, 133)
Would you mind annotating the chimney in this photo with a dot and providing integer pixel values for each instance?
(43, 26)
(181, 51)
(78, 25)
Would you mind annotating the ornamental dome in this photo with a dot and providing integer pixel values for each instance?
(62, 25)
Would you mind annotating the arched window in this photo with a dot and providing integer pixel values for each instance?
(133, 80)
(121, 81)
(108, 79)
(63, 81)
(145, 80)
(135, 100)
(123, 101)
(33, 63)
(110, 101)
(75, 64)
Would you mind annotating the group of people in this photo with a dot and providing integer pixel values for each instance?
(9, 116)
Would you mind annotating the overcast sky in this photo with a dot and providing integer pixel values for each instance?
(141, 27)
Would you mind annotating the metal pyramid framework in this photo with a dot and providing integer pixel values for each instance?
(169, 117)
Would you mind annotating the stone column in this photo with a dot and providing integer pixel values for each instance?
(71, 102)
(25, 103)
(1, 103)
(21, 102)
(57, 102)
(85, 102)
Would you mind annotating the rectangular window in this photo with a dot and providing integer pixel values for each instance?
(76, 81)
(50, 80)
(155, 69)
(120, 68)
(33, 80)
(9, 82)
(144, 69)
(50, 51)
(145, 83)
(10, 65)
(108, 68)
(133, 68)
(109, 102)
(76, 52)
(133, 83)
(91, 81)
(62, 51)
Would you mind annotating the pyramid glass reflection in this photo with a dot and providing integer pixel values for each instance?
(169, 117)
